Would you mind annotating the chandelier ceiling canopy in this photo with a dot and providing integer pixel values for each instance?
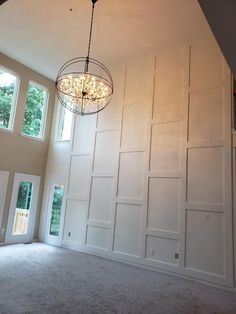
(83, 84)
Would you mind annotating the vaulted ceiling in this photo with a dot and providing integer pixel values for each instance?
(44, 34)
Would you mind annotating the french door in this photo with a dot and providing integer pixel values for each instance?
(24, 199)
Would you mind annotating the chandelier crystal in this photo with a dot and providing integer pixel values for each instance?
(83, 84)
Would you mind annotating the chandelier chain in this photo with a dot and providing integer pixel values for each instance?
(91, 30)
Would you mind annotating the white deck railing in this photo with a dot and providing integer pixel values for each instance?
(21, 220)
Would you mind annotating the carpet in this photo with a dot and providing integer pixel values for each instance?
(38, 278)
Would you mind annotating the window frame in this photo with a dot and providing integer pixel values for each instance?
(11, 123)
(59, 121)
(44, 112)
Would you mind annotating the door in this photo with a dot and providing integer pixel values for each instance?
(3, 190)
(21, 219)
(55, 215)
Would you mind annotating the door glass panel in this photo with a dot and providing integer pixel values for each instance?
(58, 191)
(22, 211)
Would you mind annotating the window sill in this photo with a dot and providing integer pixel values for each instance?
(6, 130)
(40, 139)
(62, 141)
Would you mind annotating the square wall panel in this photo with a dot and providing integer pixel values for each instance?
(205, 180)
(206, 115)
(139, 75)
(75, 220)
(164, 204)
(101, 199)
(98, 237)
(205, 241)
(104, 157)
(79, 176)
(134, 125)
(83, 139)
(166, 147)
(131, 175)
(127, 229)
(162, 250)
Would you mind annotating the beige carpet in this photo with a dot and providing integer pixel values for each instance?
(38, 278)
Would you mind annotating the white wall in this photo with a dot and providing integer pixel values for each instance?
(149, 178)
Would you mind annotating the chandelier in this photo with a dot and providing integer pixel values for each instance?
(83, 84)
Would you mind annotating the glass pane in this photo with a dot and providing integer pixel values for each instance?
(66, 125)
(7, 94)
(34, 110)
(58, 190)
(22, 212)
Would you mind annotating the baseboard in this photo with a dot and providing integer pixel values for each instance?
(182, 273)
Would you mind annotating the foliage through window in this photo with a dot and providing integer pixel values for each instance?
(58, 191)
(8, 92)
(24, 195)
(35, 110)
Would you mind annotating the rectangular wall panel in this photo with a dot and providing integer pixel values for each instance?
(206, 65)
(138, 83)
(164, 204)
(104, 155)
(206, 115)
(205, 241)
(166, 147)
(169, 84)
(127, 229)
(205, 175)
(75, 219)
(101, 199)
(83, 134)
(131, 175)
(134, 125)
(79, 176)
(162, 250)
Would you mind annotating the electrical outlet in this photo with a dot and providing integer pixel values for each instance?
(151, 251)
(176, 255)
(69, 234)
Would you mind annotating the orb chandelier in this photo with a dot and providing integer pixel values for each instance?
(83, 84)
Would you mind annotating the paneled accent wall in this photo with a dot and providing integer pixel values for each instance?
(150, 176)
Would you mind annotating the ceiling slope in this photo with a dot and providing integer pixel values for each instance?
(221, 16)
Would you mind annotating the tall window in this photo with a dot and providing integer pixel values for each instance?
(65, 120)
(8, 95)
(35, 110)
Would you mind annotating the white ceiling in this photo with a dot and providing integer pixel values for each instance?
(43, 34)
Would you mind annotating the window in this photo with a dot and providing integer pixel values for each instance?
(58, 191)
(35, 110)
(8, 94)
(65, 120)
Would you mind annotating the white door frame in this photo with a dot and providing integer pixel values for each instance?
(3, 190)
(19, 177)
(50, 239)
